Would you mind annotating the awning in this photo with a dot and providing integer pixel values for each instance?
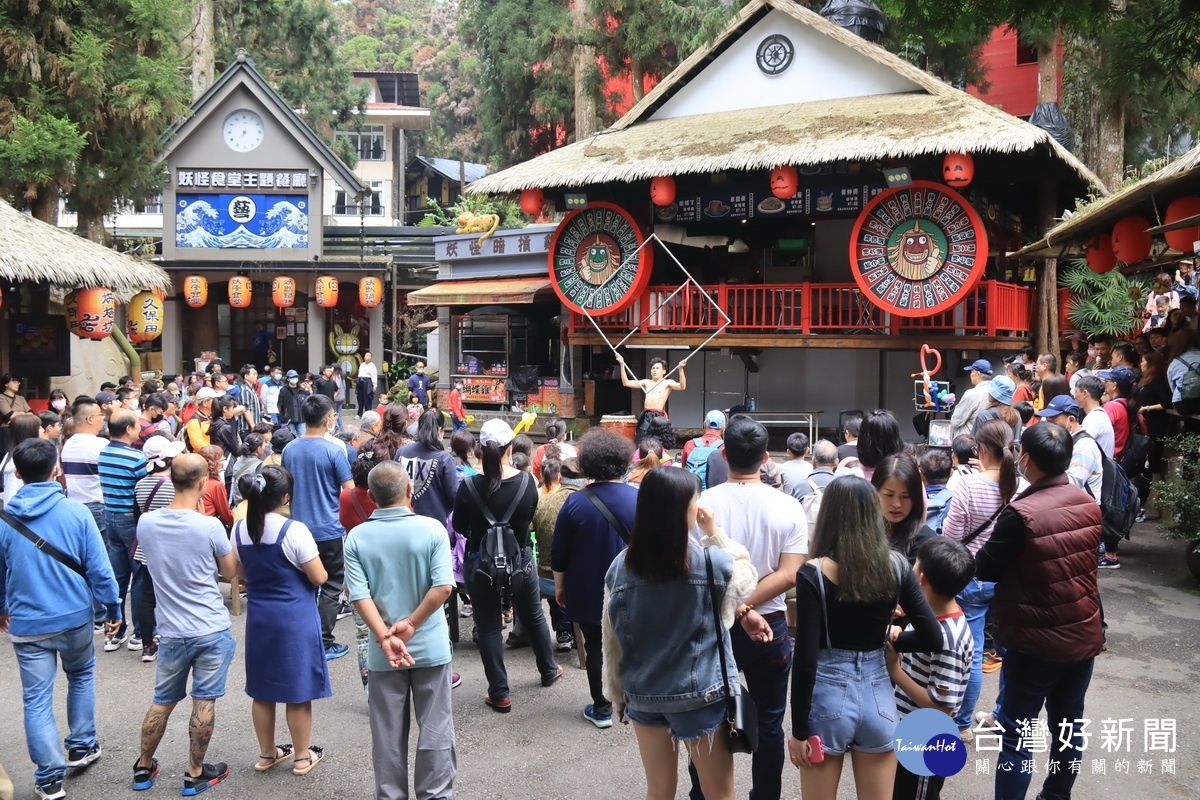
(496, 291)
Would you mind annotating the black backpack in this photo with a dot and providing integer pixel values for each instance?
(500, 561)
(1119, 501)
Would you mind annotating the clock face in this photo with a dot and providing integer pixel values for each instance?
(243, 130)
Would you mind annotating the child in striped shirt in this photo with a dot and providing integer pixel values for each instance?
(934, 680)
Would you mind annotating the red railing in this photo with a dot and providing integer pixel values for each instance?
(993, 308)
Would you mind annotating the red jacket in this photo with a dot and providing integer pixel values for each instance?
(456, 405)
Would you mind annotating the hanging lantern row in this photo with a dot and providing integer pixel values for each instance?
(91, 313)
(145, 322)
(283, 292)
(1131, 240)
(370, 292)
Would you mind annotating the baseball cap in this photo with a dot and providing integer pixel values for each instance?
(496, 431)
(1002, 387)
(291, 373)
(159, 448)
(104, 398)
(1122, 375)
(715, 419)
(980, 365)
(207, 393)
(1061, 404)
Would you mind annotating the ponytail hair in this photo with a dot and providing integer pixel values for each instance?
(267, 491)
(996, 437)
(556, 429)
(493, 466)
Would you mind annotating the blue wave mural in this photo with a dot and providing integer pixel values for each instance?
(249, 221)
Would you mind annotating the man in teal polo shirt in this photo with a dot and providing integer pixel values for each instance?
(399, 574)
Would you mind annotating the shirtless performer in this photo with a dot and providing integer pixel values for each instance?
(658, 391)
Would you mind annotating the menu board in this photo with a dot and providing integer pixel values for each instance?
(484, 390)
(813, 201)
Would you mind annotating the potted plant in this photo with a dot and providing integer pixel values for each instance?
(1179, 497)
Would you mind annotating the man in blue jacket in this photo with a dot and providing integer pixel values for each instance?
(46, 607)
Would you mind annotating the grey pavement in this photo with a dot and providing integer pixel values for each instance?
(544, 749)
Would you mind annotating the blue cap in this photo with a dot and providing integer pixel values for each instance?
(715, 420)
(1002, 387)
(980, 365)
(1061, 404)
(1122, 375)
(291, 373)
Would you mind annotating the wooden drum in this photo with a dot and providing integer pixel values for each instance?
(624, 425)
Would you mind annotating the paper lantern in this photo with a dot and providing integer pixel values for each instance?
(531, 201)
(370, 292)
(958, 169)
(91, 313)
(785, 181)
(327, 291)
(1099, 254)
(145, 317)
(1130, 241)
(1182, 208)
(240, 291)
(283, 292)
(662, 190)
(195, 291)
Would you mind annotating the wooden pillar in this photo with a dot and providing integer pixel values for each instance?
(1045, 337)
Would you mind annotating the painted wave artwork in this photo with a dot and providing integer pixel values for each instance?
(242, 221)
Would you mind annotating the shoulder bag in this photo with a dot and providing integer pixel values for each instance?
(44, 546)
(616, 524)
(740, 712)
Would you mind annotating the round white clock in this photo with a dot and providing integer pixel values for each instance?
(243, 130)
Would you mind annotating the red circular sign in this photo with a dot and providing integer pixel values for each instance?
(918, 250)
(592, 264)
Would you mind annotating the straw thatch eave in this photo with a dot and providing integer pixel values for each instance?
(819, 132)
(34, 251)
(1081, 226)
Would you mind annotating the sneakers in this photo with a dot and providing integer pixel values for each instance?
(991, 662)
(508, 617)
(549, 681)
(150, 654)
(466, 611)
(97, 628)
(114, 643)
(566, 640)
(335, 650)
(515, 642)
(210, 775)
(589, 713)
(143, 777)
(82, 757)
(134, 643)
(345, 610)
(1108, 562)
(50, 790)
(455, 680)
(983, 719)
(967, 735)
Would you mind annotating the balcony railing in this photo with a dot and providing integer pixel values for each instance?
(993, 308)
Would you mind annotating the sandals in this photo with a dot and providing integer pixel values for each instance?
(286, 749)
(316, 756)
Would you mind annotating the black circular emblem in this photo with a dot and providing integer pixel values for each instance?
(775, 54)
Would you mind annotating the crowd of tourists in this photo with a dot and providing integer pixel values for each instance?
(861, 576)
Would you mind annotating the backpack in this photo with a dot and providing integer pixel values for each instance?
(936, 508)
(1119, 501)
(811, 503)
(1189, 384)
(1137, 444)
(499, 562)
(697, 460)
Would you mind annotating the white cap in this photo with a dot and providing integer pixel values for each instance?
(159, 448)
(207, 393)
(496, 431)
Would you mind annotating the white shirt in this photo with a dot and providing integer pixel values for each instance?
(966, 409)
(1099, 427)
(80, 456)
(298, 546)
(12, 484)
(766, 521)
(369, 370)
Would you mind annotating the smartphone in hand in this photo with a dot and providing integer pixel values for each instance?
(818, 751)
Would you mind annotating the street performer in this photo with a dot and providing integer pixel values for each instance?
(653, 420)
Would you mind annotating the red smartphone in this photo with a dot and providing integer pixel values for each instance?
(818, 751)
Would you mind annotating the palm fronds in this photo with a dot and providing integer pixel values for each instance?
(1102, 304)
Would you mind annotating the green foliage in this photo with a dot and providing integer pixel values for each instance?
(40, 152)
(506, 208)
(1179, 494)
(1102, 304)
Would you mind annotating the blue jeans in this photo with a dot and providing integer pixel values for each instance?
(1030, 682)
(38, 663)
(207, 658)
(97, 509)
(121, 532)
(974, 601)
(459, 425)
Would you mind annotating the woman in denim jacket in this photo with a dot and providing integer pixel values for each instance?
(661, 664)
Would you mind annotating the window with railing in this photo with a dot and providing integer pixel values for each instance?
(370, 143)
(345, 205)
(151, 206)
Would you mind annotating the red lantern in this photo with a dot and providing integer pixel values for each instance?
(1130, 241)
(1184, 238)
(91, 313)
(785, 181)
(195, 291)
(327, 291)
(662, 190)
(370, 292)
(531, 201)
(145, 317)
(958, 169)
(240, 291)
(1099, 254)
(283, 292)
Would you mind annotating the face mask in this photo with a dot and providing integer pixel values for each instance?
(1091, 353)
(59, 405)
(1020, 469)
(420, 372)
(293, 381)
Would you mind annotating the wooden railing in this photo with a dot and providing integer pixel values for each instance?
(993, 308)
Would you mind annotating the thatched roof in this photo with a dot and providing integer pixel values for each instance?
(938, 119)
(32, 250)
(1083, 225)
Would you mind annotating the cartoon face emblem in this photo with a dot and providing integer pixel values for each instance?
(916, 254)
(598, 260)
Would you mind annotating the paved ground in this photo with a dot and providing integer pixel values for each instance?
(543, 749)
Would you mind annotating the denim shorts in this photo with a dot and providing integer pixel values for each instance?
(207, 658)
(853, 703)
(686, 726)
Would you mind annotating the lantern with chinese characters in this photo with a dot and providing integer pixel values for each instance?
(1182, 208)
(1099, 254)
(91, 313)
(240, 291)
(1131, 240)
(145, 317)
(327, 291)
(370, 292)
(283, 292)
(195, 291)
(958, 169)
(662, 190)
(531, 201)
(785, 182)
